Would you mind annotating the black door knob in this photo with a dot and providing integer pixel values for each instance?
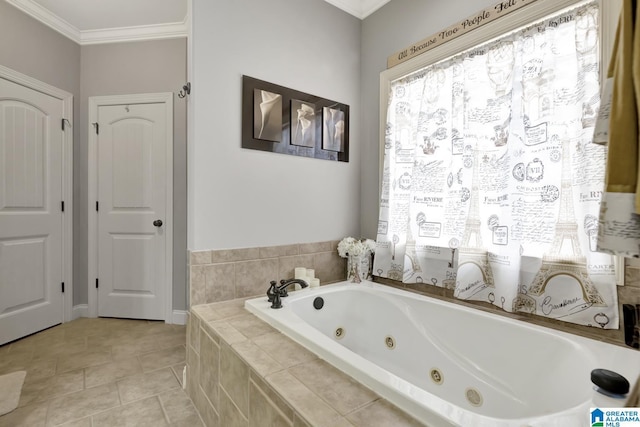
(157, 223)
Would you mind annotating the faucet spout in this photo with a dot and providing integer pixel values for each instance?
(282, 289)
(276, 292)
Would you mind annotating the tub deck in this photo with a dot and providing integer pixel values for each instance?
(450, 365)
(242, 371)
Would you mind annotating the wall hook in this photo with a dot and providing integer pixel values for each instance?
(186, 90)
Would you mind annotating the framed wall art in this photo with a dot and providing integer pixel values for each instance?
(286, 121)
(267, 115)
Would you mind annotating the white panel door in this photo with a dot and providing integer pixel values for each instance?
(31, 153)
(132, 194)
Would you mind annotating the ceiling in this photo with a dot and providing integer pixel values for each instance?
(109, 21)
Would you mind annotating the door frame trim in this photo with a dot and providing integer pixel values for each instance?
(94, 103)
(67, 179)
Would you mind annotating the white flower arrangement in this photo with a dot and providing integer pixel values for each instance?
(350, 246)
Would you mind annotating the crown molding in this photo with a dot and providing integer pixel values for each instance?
(347, 6)
(359, 8)
(370, 6)
(109, 35)
(171, 30)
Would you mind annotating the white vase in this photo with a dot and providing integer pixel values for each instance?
(359, 267)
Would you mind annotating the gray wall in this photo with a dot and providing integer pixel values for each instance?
(34, 49)
(247, 198)
(127, 68)
(391, 28)
(307, 45)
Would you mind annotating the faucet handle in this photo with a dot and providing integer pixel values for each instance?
(277, 303)
(272, 291)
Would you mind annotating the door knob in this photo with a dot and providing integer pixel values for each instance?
(157, 223)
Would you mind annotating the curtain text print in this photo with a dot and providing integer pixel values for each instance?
(491, 179)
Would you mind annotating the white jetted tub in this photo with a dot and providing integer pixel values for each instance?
(446, 364)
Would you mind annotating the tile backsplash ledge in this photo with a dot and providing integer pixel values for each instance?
(222, 275)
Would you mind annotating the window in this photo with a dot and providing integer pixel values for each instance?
(491, 183)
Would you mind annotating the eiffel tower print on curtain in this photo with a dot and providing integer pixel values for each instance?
(472, 250)
(572, 263)
(411, 253)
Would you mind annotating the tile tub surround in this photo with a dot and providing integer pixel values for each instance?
(242, 372)
(222, 275)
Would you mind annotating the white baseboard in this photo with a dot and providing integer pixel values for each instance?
(179, 317)
(80, 310)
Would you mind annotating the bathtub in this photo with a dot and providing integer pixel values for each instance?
(446, 364)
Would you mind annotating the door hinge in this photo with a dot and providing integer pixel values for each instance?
(96, 283)
(63, 287)
(97, 206)
(65, 120)
(62, 205)
(97, 126)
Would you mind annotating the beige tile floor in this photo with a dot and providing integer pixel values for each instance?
(101, 373)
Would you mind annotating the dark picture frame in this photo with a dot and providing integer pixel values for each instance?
(286, 121)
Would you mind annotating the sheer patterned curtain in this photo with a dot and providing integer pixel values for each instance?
(491, 182)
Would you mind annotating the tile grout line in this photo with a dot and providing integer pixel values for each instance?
(274, 406)
(55, 366)
(363, 406)
(46, 416)
(163, 409)
(84, 379)
(234, 403)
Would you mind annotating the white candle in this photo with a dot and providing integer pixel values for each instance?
(300, 273)
(311, 273)
(315, 283)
